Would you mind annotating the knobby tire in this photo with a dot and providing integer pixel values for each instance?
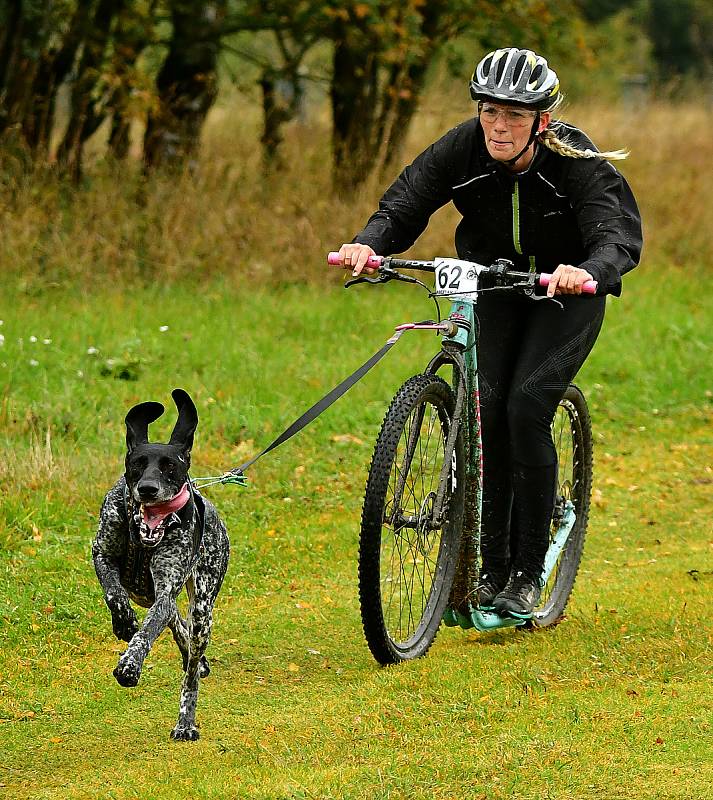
(406, 567)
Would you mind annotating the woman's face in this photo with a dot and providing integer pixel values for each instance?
(507, 129)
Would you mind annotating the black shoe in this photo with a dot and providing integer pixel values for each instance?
(519, 597)
(491, 583)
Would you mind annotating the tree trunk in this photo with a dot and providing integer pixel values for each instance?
(10, 20)
(54, 67)
(375, 90)
(354, 99)
(186, 83)
(274, 115)
(400, 105)
(21, 40)
(281, 98)
(133, 32)
(84, 118)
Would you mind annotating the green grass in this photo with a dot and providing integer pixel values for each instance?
(613, 703)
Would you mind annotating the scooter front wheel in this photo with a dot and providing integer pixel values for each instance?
(408, 549)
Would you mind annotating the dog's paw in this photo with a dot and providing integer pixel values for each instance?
(127, 673)
(185, 734)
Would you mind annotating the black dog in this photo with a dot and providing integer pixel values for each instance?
(157, 535)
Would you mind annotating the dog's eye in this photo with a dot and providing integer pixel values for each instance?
(135, 469)
(168, 467)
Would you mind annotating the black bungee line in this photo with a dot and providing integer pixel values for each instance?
(237, 476)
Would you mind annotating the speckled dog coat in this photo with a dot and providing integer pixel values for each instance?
(156, 535)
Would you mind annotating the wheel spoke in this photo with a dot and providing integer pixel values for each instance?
(409, 565)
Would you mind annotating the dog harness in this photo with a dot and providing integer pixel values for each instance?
(136, 574)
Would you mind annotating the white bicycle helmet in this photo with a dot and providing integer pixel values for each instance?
(521, 77)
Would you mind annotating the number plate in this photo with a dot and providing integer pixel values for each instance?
(455, 277)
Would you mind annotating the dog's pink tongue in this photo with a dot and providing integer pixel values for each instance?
(154, 515)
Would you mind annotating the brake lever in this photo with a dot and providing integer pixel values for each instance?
(361, 279)
(384, 275)
(528, 289)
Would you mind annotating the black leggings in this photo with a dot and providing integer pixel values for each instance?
(529, 352)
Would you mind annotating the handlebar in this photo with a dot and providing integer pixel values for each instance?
(588, 287)
(335, 260)
(387, 267)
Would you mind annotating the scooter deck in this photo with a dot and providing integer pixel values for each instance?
(480, 619)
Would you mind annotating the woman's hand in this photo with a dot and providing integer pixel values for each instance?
(567, 279)
(355, 256)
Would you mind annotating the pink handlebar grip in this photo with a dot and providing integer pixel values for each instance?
(590, 287)
(334, 259)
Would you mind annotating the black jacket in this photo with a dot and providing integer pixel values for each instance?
(560, 211)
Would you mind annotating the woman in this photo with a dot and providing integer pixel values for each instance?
(536, 191)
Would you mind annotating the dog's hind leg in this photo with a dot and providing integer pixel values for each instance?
(200, 621)
(181, 637)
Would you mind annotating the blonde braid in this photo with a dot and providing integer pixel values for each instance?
(563, 148)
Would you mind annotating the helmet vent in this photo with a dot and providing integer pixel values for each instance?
(500, 69)
(519, 66)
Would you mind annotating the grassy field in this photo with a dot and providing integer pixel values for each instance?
(118, 291)
(615, 702)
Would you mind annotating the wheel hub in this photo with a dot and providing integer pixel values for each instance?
(425, 526)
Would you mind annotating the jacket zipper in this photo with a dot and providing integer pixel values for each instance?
(516, 224)
(516, 218)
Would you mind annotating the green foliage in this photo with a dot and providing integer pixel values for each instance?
(682, 37)
(120, 63)
(598, 10)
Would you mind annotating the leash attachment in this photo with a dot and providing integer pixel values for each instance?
(233, 477)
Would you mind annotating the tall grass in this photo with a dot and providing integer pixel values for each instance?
(226, 217)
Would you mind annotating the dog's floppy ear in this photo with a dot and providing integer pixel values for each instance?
(138, 421)
(187, 423)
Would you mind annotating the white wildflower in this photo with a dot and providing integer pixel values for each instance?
(92, 351)
(33, 339)
(34, 362)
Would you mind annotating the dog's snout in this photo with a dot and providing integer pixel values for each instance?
(148, 490)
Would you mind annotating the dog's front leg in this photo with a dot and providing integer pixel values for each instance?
(107, 550)
(169, 569)
(123, 619)
(128, 670)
